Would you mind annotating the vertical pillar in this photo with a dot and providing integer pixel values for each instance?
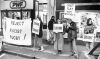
(51, 12)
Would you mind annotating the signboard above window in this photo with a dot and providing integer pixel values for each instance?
(17, 4)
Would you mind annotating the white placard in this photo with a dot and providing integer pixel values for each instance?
(57, 28)
(36, 26)
(80, 35)
(17, 31)
(69, 11)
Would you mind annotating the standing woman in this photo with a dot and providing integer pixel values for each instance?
(89, 45)
(59, 42)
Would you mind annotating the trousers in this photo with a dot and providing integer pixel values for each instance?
(59, 41)
(73, 46)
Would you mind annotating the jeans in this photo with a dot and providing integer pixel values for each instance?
(73, 46)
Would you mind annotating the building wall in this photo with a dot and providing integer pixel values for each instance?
(5, 5)
(0, 21)
(60, 8)
(42, 1)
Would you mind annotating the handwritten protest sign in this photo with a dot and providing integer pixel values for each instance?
(36, 26)
(57, 28)
(69, 11)
(17, 31)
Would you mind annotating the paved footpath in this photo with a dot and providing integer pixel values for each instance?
(31, 52)
(13, 52)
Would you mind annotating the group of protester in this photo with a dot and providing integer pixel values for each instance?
(68, 27)
(57, 38)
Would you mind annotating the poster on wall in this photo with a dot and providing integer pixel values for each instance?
(90, 27)
(89, 34)
(86, 26)
(81, 22)
(98, 19)
(97, 34)
(17, 31)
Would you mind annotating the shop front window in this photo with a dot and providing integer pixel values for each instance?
(15, 14)
(25, 14)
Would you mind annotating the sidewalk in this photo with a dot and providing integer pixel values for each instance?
(31, 52)
(48, 53)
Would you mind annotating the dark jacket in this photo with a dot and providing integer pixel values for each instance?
(40, 30)
(50, 24)
(72, 31)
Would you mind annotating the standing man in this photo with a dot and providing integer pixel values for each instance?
(38, 38)
(50, 27)
(72, 36)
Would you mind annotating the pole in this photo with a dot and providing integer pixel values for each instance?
(91, 52)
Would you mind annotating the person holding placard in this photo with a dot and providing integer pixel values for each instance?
(38, 39)
(59, 42)
(89, 45)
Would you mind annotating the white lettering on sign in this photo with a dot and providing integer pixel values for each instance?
(17, 4)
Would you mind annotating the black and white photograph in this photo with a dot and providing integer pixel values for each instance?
(49, 29)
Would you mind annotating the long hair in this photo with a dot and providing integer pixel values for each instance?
(88, 20)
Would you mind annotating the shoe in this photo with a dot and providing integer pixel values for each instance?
(41, 48)
(72, 54)
(59, 52)
(76, 55)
